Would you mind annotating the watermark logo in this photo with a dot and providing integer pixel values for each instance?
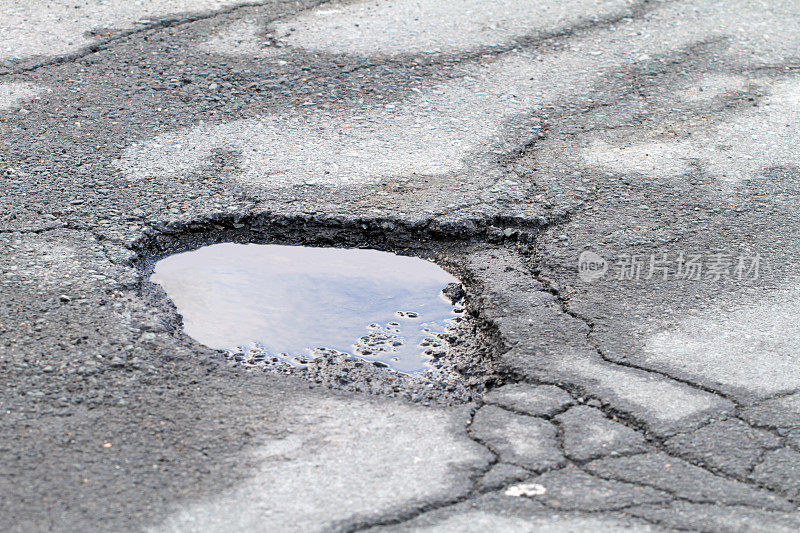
(665, 266)
(591, 266)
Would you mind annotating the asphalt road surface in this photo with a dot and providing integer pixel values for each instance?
(615, 183)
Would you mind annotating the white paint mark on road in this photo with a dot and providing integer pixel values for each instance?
(417, 26)
(432, 134)
(56, 27)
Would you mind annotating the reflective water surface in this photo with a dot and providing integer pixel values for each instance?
(289, 301)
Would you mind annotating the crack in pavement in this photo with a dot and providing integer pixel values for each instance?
(120, 35)
(409, 515)
(564, 305)
(502, 232)
(632, 422)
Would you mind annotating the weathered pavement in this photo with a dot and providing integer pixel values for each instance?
(503, 138)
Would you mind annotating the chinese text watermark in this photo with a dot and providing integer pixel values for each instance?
(664, 266)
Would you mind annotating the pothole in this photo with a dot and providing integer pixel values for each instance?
(346, 317)
(291, 304)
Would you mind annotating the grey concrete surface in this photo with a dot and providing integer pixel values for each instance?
(501, 139)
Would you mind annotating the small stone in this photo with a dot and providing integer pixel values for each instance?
(65, 298)
(525, 489)
(454, 292)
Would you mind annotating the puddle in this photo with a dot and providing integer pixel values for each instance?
(296, 303)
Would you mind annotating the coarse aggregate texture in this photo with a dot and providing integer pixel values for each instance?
(501, 146)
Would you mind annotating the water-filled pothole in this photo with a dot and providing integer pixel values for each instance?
(290, 304)
(456, 369)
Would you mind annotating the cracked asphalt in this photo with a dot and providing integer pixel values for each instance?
(657, 391)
